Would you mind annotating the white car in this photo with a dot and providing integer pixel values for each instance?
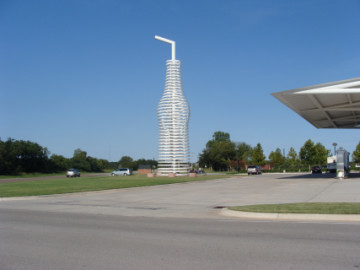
(122, 171)
(72, 173)
(253, 170)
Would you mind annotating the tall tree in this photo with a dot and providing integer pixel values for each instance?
(220, 136)
(356, 154)
(313, 154)
(258, 157)
(308, 152)
(204, 159)
(8, 159)
(126, 162)
(79, 160)
(277, 158)
(321, 154)
(292, 158)
(243, 151)
(218, 152)
(22, 156)
(221, 153)
(96, 165)
(59, 163)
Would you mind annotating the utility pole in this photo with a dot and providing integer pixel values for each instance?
(284, 160)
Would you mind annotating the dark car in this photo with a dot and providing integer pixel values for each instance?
(72, 173)
(316, 169)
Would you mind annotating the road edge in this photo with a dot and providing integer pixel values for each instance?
(297, 217)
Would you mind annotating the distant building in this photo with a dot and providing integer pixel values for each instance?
(144, 169)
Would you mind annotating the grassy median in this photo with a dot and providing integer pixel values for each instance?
(302, 208)
(27, 175)
(93, 183)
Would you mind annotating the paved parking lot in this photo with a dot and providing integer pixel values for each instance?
(198, 199)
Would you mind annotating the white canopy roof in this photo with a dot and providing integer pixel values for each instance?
(329, 105)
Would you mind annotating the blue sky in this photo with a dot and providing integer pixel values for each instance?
(89, 74)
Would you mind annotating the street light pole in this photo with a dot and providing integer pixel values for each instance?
(237, 158)
(334, 144)
(284, 160)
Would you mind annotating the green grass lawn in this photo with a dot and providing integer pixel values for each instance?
(302, 208)
(94, 183)
(27, 175)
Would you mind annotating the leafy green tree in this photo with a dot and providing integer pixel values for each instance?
(9, 157)
(219, 136)
(321, 154)
(204, 158)
(292, 155)
(79, 160)
(8, 160)
(307, 153)
(277, 158)
(31, 156)
(243, 151)
(218, 152)
(22, 156)
(292, 158)
(313, 154)
(153, 163)
(126, 162)
(59, 163)
(18, 156)
(104, 164)
(356, 154)
(258, 157)
(221, 153)
(96, 165)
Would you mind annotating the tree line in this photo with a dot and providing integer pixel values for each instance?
(128, 162)
(19, 156)
(222, 154)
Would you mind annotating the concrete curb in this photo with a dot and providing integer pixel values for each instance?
(297, 217)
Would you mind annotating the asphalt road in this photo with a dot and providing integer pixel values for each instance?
(179, 227)
(41, 240)
(196, 199)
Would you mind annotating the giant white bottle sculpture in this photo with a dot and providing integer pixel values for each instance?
(173, 115)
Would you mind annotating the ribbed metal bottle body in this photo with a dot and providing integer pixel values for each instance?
(173, 116)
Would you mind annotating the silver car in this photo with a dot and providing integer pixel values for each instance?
(72, 173)
(253, 169)
(122, 171)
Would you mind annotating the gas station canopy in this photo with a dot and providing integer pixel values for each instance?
(328, 105)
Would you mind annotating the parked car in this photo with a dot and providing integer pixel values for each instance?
(72, 173)
(253, 169)
(122, 171)
(316, 169)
